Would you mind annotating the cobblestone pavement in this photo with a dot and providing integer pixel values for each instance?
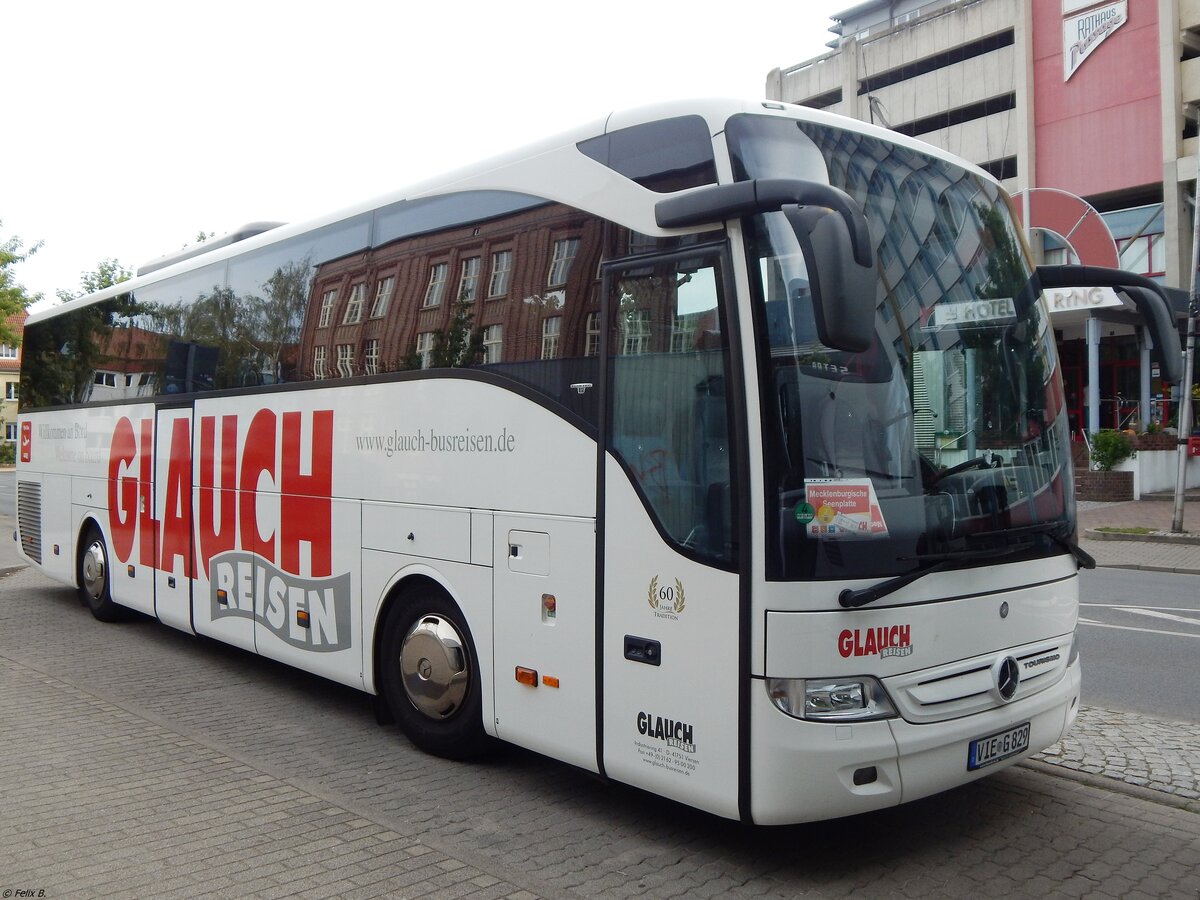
(1134, 750)
(137, 761)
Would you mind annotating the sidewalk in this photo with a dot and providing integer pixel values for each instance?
(1158, 551)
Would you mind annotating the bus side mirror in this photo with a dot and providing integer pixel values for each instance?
(843, 289)
(1147, 295)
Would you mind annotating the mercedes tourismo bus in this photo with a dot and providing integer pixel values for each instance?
(719, 449)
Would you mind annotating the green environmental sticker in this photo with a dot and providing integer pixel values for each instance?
(805, 513)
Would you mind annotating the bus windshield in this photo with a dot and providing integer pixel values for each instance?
(946, 440)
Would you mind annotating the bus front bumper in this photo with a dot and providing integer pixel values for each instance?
(807, 771)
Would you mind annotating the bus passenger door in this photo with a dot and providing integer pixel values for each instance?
(545, 635)
(222, 591)
(671, 612)
(132, 528)
(173, 511)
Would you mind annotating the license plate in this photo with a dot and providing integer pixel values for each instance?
(993, 748)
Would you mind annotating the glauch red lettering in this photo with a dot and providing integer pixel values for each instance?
(305, 508)
(122, 490)
(177, 512)
(277, 455)
(846, 642)
(217, 535)
(147, 524)
(258, 457)
(870, 641)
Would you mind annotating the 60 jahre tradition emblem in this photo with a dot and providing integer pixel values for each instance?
(667, 602)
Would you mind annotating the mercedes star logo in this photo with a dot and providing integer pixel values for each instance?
(1008, 675)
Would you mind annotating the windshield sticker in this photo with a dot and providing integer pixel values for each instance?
(841, 508)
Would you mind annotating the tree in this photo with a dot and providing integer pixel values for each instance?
(107, 273)
(273, 322)
(459, 344)
(13, 296)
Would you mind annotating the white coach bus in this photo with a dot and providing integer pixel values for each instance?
(719, 449)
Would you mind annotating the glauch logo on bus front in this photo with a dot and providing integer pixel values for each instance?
(264, 504)
(887, 640)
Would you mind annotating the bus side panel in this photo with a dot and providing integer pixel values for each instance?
(671, 713)
(545, 616)
(58, 536)
(222, 598)
(470, 586)
(461, 444)
(105, 452)
(173, 502)
(127, 446)
(315, 624)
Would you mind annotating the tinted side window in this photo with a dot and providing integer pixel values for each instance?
(664, 156)
(498, 281)
(670, 420)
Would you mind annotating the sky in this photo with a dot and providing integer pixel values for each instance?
(128, 127)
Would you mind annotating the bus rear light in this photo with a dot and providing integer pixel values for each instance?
(527, 676)
(855, 699)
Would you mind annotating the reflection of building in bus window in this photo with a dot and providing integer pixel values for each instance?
(540, 287)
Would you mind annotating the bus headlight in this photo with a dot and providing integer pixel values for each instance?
(856, 699)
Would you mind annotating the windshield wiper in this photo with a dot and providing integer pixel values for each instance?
(1050, 530)
(850, 599)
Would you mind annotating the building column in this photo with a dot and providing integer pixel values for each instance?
(1093, 386)
(1145, 343)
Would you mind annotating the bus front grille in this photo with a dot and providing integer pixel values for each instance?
(969, 686)
(29, 518)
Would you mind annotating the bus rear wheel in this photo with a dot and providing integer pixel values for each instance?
(429, 674)
(93, 578)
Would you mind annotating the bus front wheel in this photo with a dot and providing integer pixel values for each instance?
(93, 578)
(429, 674)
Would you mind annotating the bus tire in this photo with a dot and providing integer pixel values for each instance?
(93, 572)
(429, 674)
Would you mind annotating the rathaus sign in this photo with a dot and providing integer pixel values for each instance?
(1084, 31)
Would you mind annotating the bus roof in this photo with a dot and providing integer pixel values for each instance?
(520, 170)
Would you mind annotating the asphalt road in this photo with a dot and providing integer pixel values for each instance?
(1140, 639)
(8, 493)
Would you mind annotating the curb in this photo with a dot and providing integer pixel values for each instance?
(1170, 570)
(1112, 784)
(1154, 537)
